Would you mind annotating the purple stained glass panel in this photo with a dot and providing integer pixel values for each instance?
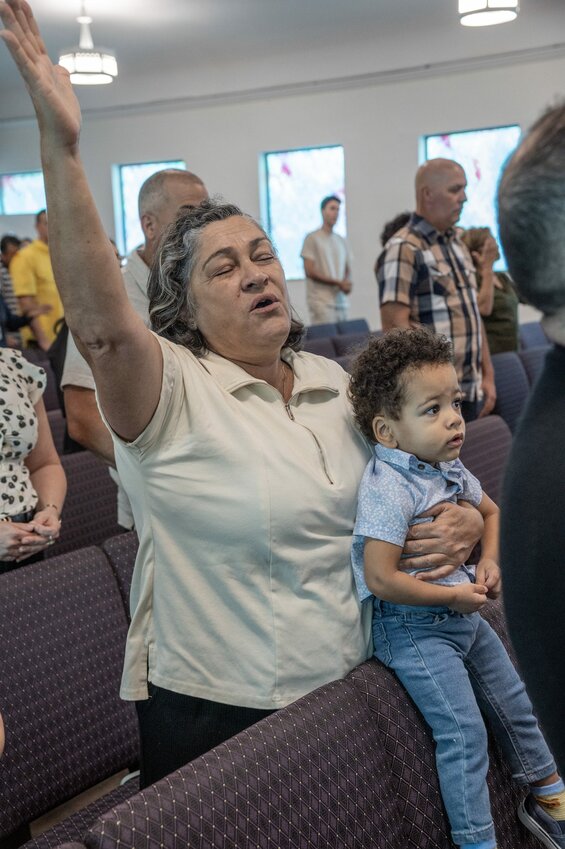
(296, 182)
(22, 194)
(482, 154)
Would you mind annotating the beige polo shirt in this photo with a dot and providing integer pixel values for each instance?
(243, 590)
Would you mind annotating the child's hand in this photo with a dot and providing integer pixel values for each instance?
(488, 573)
(469, 598)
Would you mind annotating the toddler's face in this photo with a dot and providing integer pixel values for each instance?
(431, 425)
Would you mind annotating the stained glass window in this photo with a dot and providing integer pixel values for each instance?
(296, 181)
(22, 194)
(482, 154)
(128, 180)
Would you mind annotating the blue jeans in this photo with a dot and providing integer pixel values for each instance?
(453, 666)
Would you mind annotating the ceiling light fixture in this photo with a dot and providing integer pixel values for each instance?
(486, 13)
(88, 65)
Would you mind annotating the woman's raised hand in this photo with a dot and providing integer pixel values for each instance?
(49, 85)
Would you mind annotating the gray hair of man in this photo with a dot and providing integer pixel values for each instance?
(531, 213)
(154, 190)
(172, 309)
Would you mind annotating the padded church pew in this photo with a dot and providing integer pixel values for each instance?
(39, 358)
(311, 775)
(512, 387)
(533, 360)
(350, 344)
(316, 331)
(322, 345)
(485, 452)
(121, 552)
(90, 511)
(350, 765)
(532, 335)
(407, 741)
(62, 630)
(57, 424)
(353, 325)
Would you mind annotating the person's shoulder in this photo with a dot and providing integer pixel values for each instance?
(471, 485)
(18, 260)
(76, 371)
(134, 264)
(179, 354)
(386, 469)
(314, 365)
(388, 486)
(9, 357)
(135, 274)
(313, 235)
(407, 238)
(12, 357)
(15, 363)
(22, 265)
(506, 280)
(33, 251)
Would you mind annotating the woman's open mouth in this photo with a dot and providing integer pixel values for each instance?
(267, 303)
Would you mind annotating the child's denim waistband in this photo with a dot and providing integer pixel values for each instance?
(388, 608)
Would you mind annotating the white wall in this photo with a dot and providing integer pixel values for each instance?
(378, 125)
(22, 225)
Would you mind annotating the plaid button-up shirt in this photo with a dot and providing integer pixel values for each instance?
(433, 274)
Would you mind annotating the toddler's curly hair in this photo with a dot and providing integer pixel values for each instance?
(378, 373)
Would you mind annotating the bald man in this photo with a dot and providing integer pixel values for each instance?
(159, 201)
(426, 276)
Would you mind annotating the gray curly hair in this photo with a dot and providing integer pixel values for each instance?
(172, 309)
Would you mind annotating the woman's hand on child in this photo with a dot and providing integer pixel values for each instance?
(468, 597)
(488, 573)
(442, 545)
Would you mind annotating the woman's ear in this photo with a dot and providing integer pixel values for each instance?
(383, 432)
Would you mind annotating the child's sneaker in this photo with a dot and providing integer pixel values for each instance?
(549, 831)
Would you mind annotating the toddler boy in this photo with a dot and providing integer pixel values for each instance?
(407, 400)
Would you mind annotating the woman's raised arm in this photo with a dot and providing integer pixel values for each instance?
(109, 333)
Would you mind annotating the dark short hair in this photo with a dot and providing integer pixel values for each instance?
(172, 309)
(327, 200)
(393, 226)
(377, 383)
(531, 213)
(8, 240)
(39, 214)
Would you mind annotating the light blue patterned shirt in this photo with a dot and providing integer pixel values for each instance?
(396, 488)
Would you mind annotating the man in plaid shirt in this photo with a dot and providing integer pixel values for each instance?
(426, 276)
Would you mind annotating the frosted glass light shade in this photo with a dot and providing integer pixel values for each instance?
(89, 67)
(484, 13)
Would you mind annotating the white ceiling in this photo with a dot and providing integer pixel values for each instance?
(169, 49)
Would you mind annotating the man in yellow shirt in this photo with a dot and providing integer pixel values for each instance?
(34, 285)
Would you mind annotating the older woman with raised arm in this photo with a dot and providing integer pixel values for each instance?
(239, 455)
